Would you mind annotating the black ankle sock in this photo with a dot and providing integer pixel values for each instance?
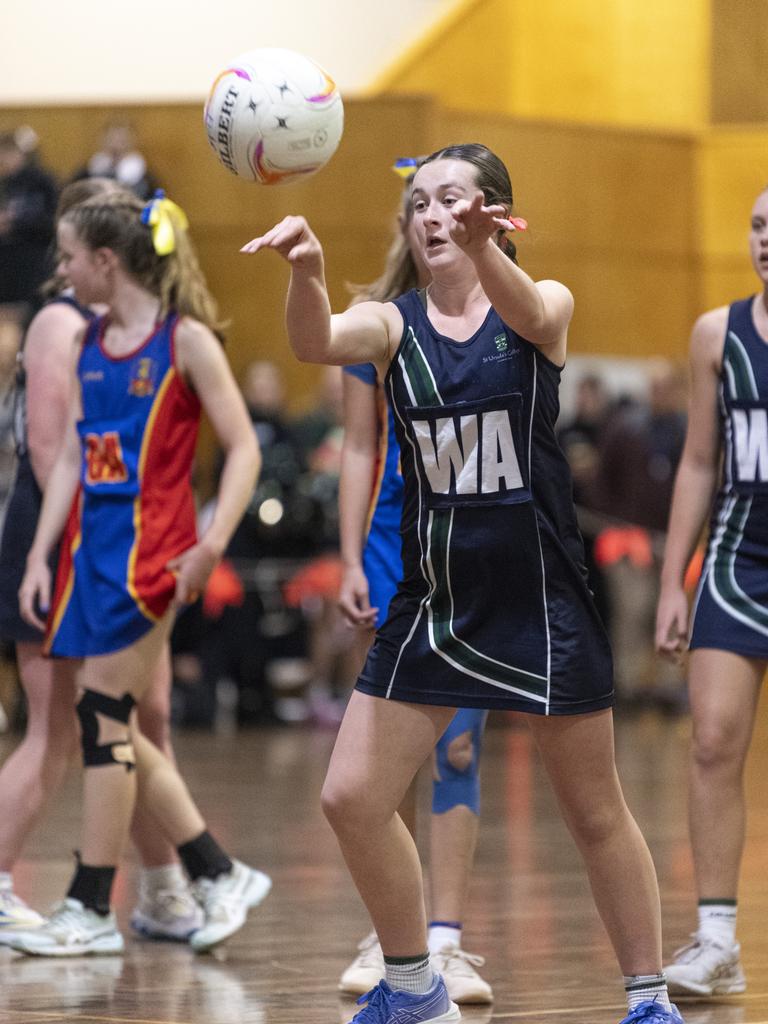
(92, 886)
(203, 857)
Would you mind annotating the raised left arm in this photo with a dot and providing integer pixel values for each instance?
(538, 311)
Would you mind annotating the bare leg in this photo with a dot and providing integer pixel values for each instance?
(154, 721)
(579, 757)
(110, 790)
(724, 690)
(380, 747)
(164, 795)
(37, 767)
(451, 852)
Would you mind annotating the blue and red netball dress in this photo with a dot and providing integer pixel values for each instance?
(135, 509)
(731, 608)
(493, 610)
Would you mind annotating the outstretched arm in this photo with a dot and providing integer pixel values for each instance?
(695, 482)
(367, 332)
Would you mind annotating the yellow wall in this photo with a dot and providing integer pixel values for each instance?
(731, 168)
(625, 62)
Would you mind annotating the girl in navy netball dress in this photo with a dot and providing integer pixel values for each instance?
(37, 766)
(129, 550)
(725, 458)
(370, 508)
(493, 609)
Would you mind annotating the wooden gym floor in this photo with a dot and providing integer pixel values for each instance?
(530, 913)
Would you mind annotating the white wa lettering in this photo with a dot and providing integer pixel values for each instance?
(446, 453)
(446, 459)
(750, 437)
(499, 455)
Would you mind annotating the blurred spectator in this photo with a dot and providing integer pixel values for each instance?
(318, 434)
(316, 588)
(28, 197)
(119, 158)
(9, 346)
(579, 438)
(640, 449)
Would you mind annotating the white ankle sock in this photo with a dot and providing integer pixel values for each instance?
(415, 976)
(717, 920)
(6, 880)
(442, 934)
(167, 876)
(645, 988)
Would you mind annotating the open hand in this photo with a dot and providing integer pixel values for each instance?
(293, 239)
(474, 223)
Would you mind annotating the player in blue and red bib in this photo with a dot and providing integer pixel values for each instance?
(130, 552)
(723, 473)
(493, 608)
(32, 774)
(136, 509)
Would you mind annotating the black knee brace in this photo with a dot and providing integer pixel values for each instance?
(121, 752)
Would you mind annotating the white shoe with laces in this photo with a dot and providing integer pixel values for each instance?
(225, 903)
(170, 913)
(463, 982)
(71, 930)
(706, 967)
(366, 970)
(15, 915)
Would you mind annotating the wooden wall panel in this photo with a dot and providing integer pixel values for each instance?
(628, 62)
(732, 167)
(739, 81)
(610, 214)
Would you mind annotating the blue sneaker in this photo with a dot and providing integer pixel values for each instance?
(393, 1006)
(653, 1013)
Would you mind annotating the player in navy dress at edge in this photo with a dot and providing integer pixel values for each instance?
(726, 459)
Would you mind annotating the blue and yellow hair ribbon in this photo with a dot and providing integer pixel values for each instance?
(406, 166)
(162, 215)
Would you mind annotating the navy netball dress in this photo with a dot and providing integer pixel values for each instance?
(731, 608)
(493, 610)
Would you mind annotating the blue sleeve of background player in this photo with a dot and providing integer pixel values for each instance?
(365, 372)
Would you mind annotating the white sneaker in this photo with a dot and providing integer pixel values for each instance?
(461, 979)
(366, 970)
(72, 930)
(15, 915)
(226, 901)
(706, 967)
(169, 913)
